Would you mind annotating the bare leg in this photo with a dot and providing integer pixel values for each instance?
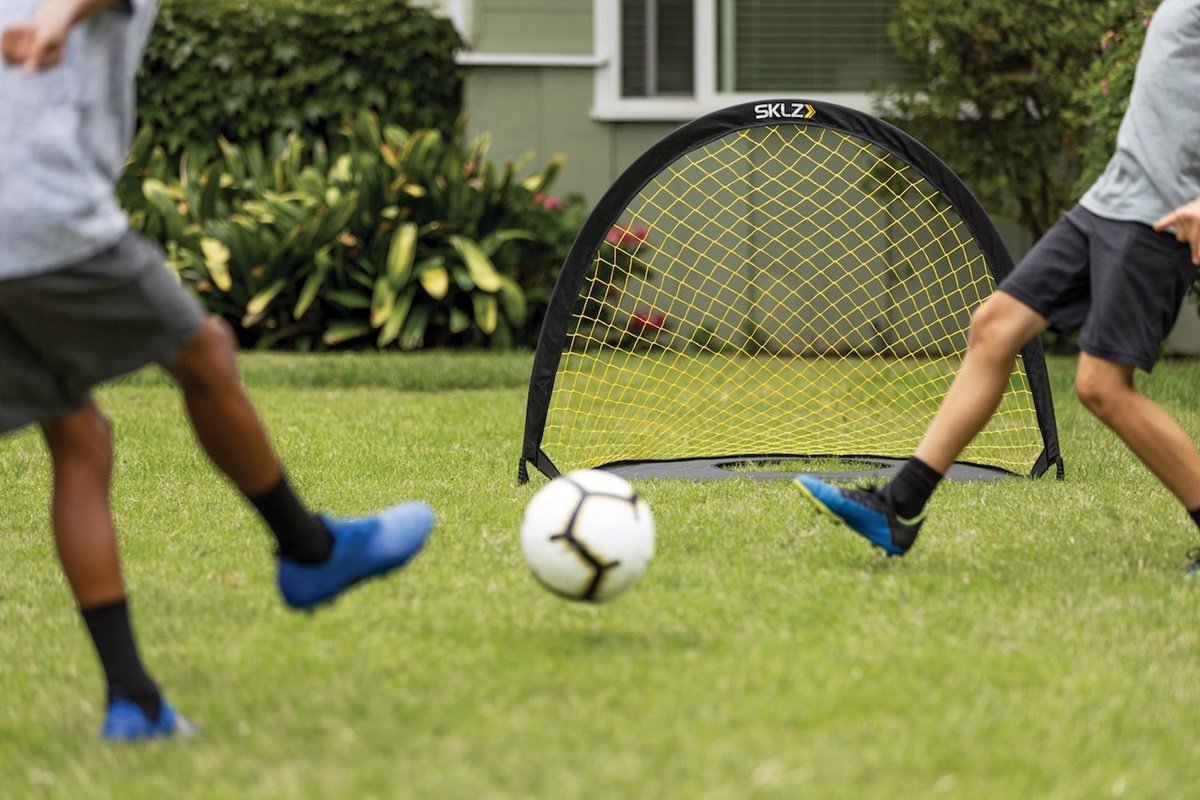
(999, 329)
(81, 451)
(230, 432)
(225, 422)
(1106, 389)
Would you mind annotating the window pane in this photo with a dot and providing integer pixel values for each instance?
(814, 45)
(656, 48)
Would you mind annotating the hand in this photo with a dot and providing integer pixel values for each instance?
(1186, 222)
(38, 43)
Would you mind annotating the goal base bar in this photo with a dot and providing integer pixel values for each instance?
(705, 469)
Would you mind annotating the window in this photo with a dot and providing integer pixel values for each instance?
(785, 45)
(657, 48)
(673, 59)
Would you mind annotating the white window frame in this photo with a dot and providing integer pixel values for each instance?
(609, 106)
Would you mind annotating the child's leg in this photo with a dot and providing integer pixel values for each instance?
(81, 451)
(1106, 389)
(229, 430)
(999, 329)
(224, 419)
(320, 558)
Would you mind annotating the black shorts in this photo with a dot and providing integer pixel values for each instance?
(1120, 284)
(66, 331)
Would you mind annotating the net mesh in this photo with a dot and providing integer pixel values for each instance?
(785, 289)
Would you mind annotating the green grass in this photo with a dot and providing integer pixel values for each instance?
(1039, 642)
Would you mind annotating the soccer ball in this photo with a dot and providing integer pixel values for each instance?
(587, 536)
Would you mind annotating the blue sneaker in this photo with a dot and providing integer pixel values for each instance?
(126, 722)
(362, 548)
(866, 511)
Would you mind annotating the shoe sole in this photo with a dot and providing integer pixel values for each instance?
(816, 501)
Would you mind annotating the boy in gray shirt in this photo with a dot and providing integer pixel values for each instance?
(82, 300)
(1116, 268)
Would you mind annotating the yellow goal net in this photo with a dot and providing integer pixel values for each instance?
(774, 281)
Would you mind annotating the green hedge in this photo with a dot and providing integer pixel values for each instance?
(1104, 91)
(994, 94)
(249, 70)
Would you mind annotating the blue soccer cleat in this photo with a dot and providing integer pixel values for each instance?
(1193, 567)
(867, 512)
(362, 549)
(126, 722)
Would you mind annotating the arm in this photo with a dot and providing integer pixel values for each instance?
(38, 43)
(1186, 222)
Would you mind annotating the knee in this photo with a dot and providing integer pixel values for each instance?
(210, 356)
(80, 435)
(987, 334)
(1099, 395)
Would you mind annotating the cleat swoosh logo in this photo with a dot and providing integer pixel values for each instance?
(917, 520)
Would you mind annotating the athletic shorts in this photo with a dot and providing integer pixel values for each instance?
(64, 332)
(1120, 284)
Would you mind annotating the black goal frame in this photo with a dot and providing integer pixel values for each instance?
(697, 134)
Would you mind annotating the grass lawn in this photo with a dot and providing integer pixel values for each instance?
(1040, 641)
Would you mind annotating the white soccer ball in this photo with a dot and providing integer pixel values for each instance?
(587, 535)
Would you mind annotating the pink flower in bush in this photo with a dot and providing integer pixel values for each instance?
(549, 203)
(646, 321)
(627, 237)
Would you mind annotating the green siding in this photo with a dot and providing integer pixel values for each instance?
(533, 26)
(547, 111)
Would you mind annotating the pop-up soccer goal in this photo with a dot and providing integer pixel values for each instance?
(776, 287)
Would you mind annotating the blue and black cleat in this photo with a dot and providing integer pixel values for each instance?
(364, 548)
(125, 721)
(866, 511)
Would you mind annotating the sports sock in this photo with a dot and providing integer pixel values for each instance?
(112, 635)
(1195, 513)
(911, 488)
(301, 536)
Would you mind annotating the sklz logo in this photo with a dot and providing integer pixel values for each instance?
(784, 111)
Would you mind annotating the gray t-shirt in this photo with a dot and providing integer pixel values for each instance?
(64, 133)
(1156, 167)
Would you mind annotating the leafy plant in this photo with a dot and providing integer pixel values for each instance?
(1103, 93)
(994, 90)
(398, 239)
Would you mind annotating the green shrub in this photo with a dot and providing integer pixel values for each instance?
(1103, 93)
(397, 239)
(994, 92)
(250, 70)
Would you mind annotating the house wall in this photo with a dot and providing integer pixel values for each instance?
(543, 107)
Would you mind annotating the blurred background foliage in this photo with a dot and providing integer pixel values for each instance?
(1021, 99)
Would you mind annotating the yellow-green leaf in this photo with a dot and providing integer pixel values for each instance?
(401, 253)
(512, 298)
(216, 261)
(260, 301)
(482, 270)
(435, 281)
(308, 292)
(383, 302)
(486, 312)
(340, 332)
(391, 328)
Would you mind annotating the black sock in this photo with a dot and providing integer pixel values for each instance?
(301, 536)
(113, 636)
(911, 488)
(1195, 512)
